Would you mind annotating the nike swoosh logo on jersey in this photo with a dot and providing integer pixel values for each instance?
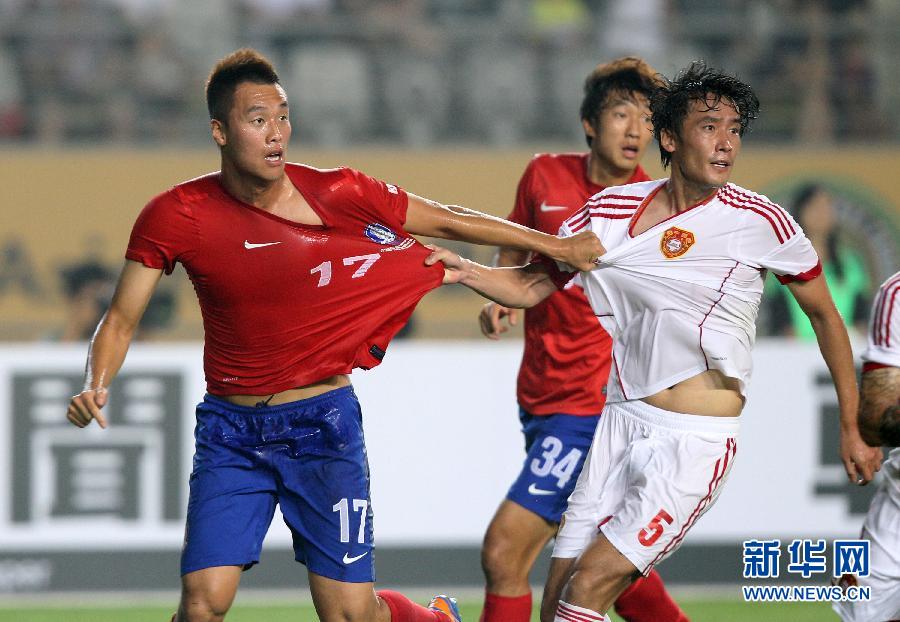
(552, 208)
(249, 245)
(350, 560)
(534, 490)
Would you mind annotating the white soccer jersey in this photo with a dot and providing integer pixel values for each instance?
(884, 325)
(682, 297)
(882, 524)
(884, 345)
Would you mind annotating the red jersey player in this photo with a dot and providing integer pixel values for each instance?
(302, 275)
(678, 288)
(565, 365)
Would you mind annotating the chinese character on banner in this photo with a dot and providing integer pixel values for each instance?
(807, 557)
(851, 556)
(761, 559)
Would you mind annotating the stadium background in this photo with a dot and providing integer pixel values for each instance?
(101, 107)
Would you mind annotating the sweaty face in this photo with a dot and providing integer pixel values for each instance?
(705, 150)
(621, 132)
(256, 136)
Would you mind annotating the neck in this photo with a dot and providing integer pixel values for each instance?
(603, 173)
(254, 191)
(684, 193)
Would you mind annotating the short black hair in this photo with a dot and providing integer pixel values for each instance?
(244, 65)
(627, 75)
(669, 105)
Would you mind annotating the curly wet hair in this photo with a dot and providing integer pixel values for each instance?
(670, 104)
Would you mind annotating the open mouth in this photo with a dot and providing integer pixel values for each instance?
(721, 164)
(630, 151)
(275, 157)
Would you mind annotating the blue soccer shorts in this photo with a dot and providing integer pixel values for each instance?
(308, 457)
(556, 446)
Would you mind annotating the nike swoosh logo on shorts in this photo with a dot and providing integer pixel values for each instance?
(534, 490)
(350, 560)
(552, 208)
(249, 245)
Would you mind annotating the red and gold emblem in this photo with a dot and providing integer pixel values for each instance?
(675, 242)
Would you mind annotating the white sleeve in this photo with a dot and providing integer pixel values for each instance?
(884, 325)
(772, 240)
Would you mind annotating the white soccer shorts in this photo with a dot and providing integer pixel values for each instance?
(650, 474)
(882, 529)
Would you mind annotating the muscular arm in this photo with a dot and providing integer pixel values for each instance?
(860, 460)
(879, 413)
(520, 287)
(452, 222)
(111, 341)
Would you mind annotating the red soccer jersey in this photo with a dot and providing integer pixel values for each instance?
(286, 304)
(567, 354)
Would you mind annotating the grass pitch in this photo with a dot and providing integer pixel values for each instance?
(720, 610)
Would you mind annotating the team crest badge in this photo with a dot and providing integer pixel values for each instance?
(380, 234)
(675, 242)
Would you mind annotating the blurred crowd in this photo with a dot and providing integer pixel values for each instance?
(420, 72)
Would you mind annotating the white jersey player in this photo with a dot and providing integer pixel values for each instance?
(678, 288)
(880, 425)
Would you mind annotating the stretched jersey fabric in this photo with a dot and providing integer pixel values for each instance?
(286, 304)
(883, 349)
(566, 359)
(682, 297)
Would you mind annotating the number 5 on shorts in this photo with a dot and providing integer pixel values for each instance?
(654, 529)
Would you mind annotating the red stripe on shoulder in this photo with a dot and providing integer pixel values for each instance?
(757, 211)
(779, 212)
(881, 316)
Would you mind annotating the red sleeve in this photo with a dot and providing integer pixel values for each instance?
(559, 277)
(163, 234)
(523, 210)
(387, 201)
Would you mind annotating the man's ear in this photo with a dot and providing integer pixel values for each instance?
(218, 132)
(668, 141)
(589, 130)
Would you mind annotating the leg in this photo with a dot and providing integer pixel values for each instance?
(646, 600)
(512, 543)
(337, 601)
(206, 595)
(599, 575)
(560, 571)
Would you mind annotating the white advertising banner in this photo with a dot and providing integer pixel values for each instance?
(442, 434)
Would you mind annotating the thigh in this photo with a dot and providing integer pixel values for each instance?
(232, 498)
(325, 497)
(557, 446)
(671, 479)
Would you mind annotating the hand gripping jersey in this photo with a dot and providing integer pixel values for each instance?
(286, 304)
(682, 297)
(883, 349)
(566, 359)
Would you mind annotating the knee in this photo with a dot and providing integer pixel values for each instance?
(500, 559)
(595, 578)
(350, 613)
(197, 608)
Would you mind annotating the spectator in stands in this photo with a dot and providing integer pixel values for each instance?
(87, 290)
(814, 208)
